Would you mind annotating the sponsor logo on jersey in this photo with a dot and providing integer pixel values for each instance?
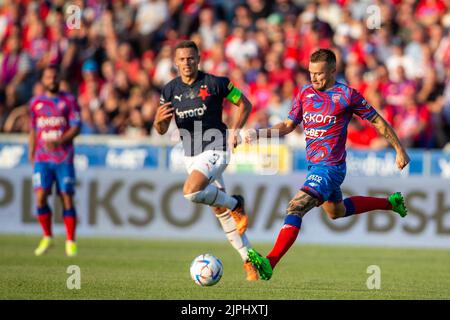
(178, 97)
(196, 112)
(309, 117)
(315, 177)
(50, 122)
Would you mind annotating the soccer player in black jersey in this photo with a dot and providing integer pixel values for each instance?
(195, 100)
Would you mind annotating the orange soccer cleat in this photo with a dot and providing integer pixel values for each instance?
(239, 215)
(251, 271)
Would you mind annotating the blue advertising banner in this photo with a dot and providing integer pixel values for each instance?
(382, 163)
(14, 155)
(440, 164)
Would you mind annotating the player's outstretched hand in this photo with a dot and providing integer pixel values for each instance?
(250, 135)
(164, 112)
(234, 139)
(402, 159)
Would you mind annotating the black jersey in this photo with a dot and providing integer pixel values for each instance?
(198, 111)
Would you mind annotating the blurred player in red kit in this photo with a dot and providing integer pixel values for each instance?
(55, 122)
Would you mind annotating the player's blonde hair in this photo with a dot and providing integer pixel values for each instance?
(324, 55)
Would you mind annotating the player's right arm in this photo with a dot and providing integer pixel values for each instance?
(163, 116)
(164, 113)
(366, 111)
(279, 130)
(31, 145)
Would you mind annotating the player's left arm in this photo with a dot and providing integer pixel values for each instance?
(244, 109)
(383, 127)
(236, 97)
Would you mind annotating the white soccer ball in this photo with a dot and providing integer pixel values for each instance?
(206, 270)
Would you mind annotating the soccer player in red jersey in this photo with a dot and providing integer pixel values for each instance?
(55, 122)
(325, 108)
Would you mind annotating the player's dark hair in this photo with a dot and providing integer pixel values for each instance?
(50, 67)
(187, 44)
(324, 55)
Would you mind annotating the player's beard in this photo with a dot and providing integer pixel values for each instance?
(53, 88)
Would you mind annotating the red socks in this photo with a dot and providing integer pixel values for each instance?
(287, 236)
(44, 216)
(70, 221)
(358, 204)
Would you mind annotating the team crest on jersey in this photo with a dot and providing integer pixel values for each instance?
(61, 105)
(191, 94)
(336, 97)
(203, 92)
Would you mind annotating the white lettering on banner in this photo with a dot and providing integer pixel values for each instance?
(374, 166)
(10, 156)
(127, 159)
(81, 161)
(445, 168)
(147, 203)
(50, 122)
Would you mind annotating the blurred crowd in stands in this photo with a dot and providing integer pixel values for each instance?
(117, 57)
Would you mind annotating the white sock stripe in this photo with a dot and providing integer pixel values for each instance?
(223, 214)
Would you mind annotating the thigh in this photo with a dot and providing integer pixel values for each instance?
(196, 181)
(210, 163)
(43, 177)
(65, 178)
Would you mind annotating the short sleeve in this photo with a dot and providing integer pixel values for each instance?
(165, 95)
(360, 107)
(296, 112)
(227, 90)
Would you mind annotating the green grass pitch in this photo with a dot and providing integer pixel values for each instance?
(148, 269)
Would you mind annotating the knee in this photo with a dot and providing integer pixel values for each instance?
(41, 201)
(67, 201)
(197, 197)
(335, 214)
